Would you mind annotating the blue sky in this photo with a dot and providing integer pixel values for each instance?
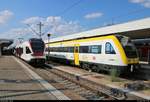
(88, 14)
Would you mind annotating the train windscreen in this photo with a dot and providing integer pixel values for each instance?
(129, 47)
(130, 51)
(37, 45)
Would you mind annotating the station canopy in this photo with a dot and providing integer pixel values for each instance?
(138, 29)
(5, 42)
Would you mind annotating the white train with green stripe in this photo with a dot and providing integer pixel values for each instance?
(96, 53)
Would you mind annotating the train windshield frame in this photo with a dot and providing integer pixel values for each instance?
(37, 45)
(129, 47)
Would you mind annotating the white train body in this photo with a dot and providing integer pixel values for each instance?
(31, 51)
(98, 53)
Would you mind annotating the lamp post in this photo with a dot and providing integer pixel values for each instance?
(48, 35)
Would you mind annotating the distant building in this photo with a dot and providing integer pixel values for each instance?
(4, 43)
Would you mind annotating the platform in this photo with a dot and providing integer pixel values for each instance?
(18, 83)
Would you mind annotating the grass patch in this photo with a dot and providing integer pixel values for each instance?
(114, 75)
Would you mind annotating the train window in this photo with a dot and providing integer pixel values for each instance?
(46, 49)
(96, 49)
(56, 49)
(65, 49)
(50, 49)
(84, 49)
(109, 49)
(71, 49)
(28, 50)
(60, 49)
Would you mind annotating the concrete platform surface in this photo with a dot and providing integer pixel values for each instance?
(17, 84)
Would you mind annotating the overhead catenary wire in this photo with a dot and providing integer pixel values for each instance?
(40, 34)
(69, 8)
(115, 18)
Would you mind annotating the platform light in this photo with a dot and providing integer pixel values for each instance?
(48, 35)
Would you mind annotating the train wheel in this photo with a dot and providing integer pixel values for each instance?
(95, 69)
(85, 66)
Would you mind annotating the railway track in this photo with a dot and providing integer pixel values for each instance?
(102, 92)
(76, 88)
(58, 77)
(139, 84)
(93, 87)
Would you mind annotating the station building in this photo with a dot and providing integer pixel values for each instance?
(4, 43)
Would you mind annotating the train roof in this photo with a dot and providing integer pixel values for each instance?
(35, 39)
(134, 29)
(141, 41)
(27, 42)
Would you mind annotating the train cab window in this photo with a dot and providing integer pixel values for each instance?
(96, 49)
(109, 49)
(28, 50)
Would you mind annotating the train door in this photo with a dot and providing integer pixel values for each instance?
(110, 54)
(76, 55)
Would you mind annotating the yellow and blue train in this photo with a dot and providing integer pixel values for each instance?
(96, 53)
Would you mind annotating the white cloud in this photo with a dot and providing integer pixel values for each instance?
(32, 20)
(145, 3)
(5, 16)
(15, 33)
(93, 15)
(55, 25)
(137, 1)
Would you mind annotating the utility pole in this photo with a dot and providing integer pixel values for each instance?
(40, 29)
(40, 34)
